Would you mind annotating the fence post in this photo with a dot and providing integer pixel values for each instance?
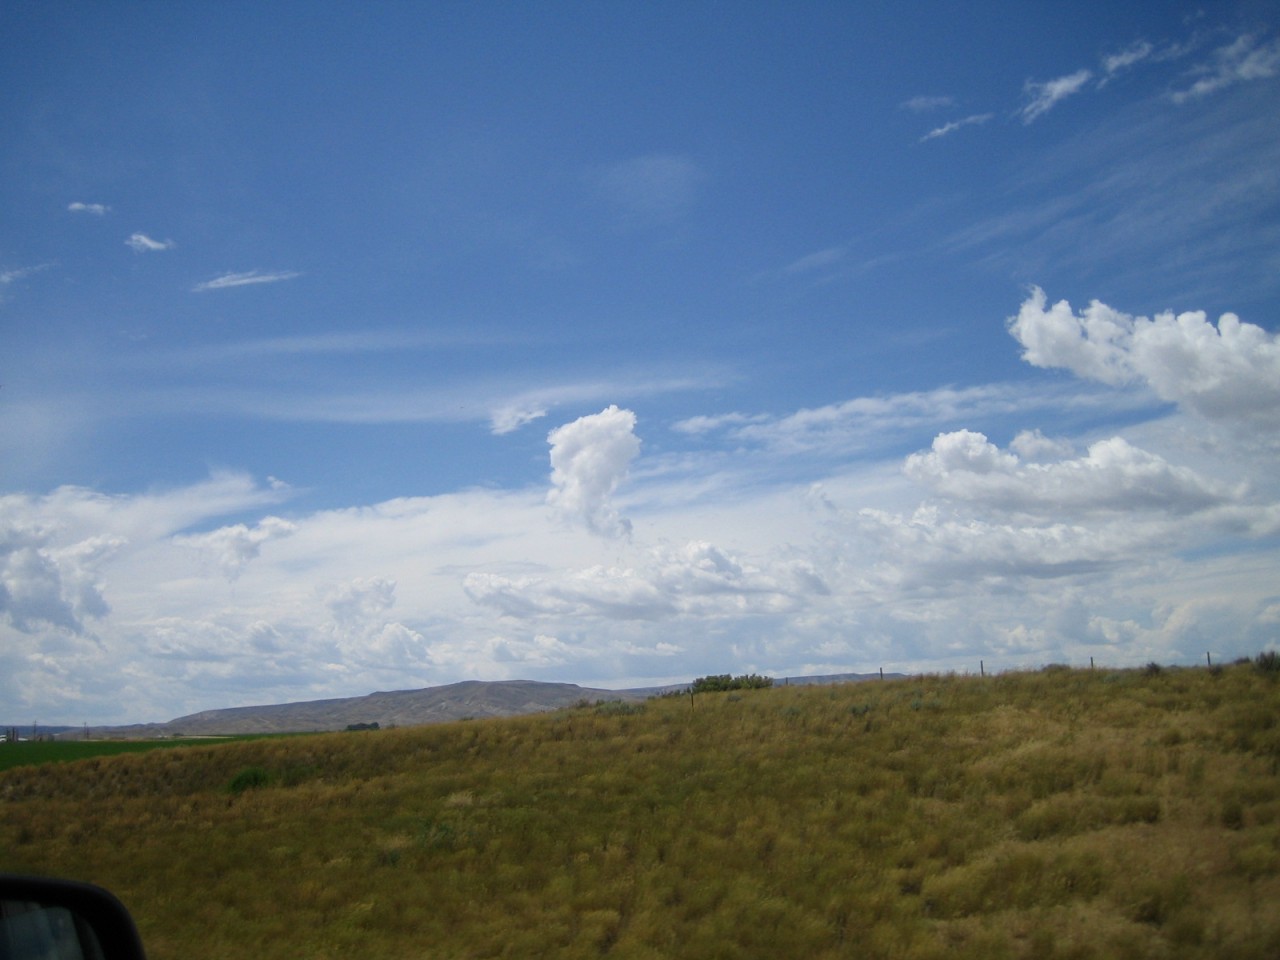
(982, 668)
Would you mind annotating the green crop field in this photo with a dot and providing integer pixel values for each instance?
(34, 752)
(1058, 814)
(29, 753)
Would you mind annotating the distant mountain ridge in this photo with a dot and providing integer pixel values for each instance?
(401, 708)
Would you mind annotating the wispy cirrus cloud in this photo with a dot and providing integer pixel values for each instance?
(19, 273)
(653, 189)
(1117, 63)
(817, 260)
(97, 209)
(512, 412)
(248, 278)
(1242, 60)
(1047, 95)
(949, 128)
(141, 243)
(924, 104)
(866, 423)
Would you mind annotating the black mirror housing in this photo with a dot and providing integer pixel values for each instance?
(42, 917)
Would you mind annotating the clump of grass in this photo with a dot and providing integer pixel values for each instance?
(618, 708)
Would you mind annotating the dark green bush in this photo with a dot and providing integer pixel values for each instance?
(1267, 662)
(250, 778)
(723, 681)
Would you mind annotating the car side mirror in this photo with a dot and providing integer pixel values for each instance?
(44, 919)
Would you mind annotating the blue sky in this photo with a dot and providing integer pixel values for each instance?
(372, 346)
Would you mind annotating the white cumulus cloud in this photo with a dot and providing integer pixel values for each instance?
(1114, 476)
(1229, 372)
(46, 578)
(589, 459)
(234, 546)
(698, 579)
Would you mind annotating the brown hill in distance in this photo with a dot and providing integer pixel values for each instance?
(402, 708)
(469, 699)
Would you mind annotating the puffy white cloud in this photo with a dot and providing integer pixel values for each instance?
(698, 579)
(361, 600)
(234, 546)
(97, 209)
(1045, 96)
(53, 548)
(44, 586)
(1113, 477)
(1229, 373)
(1033, 446)
(589, 459)
(47, 578)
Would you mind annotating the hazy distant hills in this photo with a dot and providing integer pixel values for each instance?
(401, 708)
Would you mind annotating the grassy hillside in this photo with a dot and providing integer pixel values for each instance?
(1056, 814)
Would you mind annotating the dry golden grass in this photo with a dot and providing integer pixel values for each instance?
(1055, 814)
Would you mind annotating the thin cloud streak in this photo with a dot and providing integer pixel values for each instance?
(1045, 96)
(949, 128)
(924, 104)
(1119, 62)
(248, 278)
(141, 243)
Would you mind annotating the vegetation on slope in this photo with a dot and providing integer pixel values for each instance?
(1057, 814)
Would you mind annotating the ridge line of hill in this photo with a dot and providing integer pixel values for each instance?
(465, 699)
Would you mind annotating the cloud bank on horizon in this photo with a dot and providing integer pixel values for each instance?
(627, 372)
